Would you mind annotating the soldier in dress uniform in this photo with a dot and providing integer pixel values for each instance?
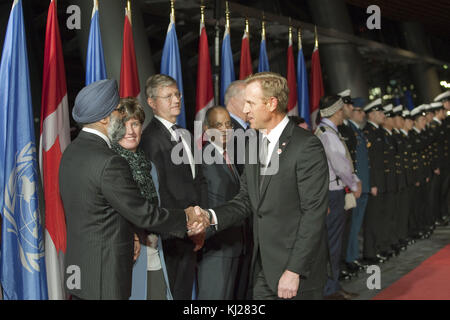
(405, 130)
(438, 160)
(361, 164)
(444, 98)
(342, 175)
(420, 172)
(390, 240)
(350, 140)
(373, 222)
(431, 153)
(401, 217)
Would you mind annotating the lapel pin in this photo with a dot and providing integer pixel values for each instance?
(279, 151)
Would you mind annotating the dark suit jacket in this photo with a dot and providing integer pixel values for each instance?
(177, 189)
(222, 187)
(103, 204)
(289, 213)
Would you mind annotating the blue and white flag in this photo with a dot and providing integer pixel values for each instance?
(95, 60)
(302, 87)
(171, 65)
(22, 264)
(227, 75)
(263, 64)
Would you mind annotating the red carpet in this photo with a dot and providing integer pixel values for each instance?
(429, 281)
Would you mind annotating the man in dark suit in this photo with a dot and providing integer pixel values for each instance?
(286, 192)
(102, 203)
(234, 103)
(219, 259)
(182, 182)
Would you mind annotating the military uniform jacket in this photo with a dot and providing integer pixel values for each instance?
(407, 158)
(418, 156)
(400, 155)
(375, 136)
(361, 158)
(389, 162)
(350, 139)
(438, 144)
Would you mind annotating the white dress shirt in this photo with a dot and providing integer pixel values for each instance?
(186, 147)
(98, 133)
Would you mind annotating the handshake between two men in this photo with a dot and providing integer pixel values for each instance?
(197, 222)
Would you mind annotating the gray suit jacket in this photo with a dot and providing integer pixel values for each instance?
(102, 204)
(289, 213)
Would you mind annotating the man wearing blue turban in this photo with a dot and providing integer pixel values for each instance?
(102, 202)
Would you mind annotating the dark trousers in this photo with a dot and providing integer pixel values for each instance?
(156, 285)
(262, 291)
(445, 188)
(373, 225)
(335, 227)
(414, 219)
(346, 236)
(389, 218)
(404, 199)
(216, 277)
(352, 252)
(242, 286)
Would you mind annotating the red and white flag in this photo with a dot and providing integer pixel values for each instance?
(291, 79)
(316, 85)
(245, 67)
(205, 92)
(54, 138)
(129, 77)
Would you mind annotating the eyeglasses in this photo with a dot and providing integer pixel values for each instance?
(226, 125)
(169, 98)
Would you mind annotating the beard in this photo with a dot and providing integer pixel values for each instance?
(116, 128)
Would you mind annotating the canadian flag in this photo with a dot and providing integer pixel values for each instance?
(291, 80)
(129, 77)
(54, 138)
(245, 67)
(205, 93)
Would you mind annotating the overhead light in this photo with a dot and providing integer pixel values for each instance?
(445, 66)
(445, 84)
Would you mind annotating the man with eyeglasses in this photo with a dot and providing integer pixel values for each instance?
(218, 262)
(182, 182)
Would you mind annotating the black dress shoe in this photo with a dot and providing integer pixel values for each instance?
(381, 257)
(361, 264)
(385, 254)
(344, 275)
(352, 267)
(378, 259)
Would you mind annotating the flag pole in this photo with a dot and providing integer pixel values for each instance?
(128, 11)
(227, 15)
(290, 31)
(263, 26)
(316, 38)
(172, 10)
(299, 34)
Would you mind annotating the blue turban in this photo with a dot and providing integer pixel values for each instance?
(96, 101)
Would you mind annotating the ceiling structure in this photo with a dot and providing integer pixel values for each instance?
(433, 15)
